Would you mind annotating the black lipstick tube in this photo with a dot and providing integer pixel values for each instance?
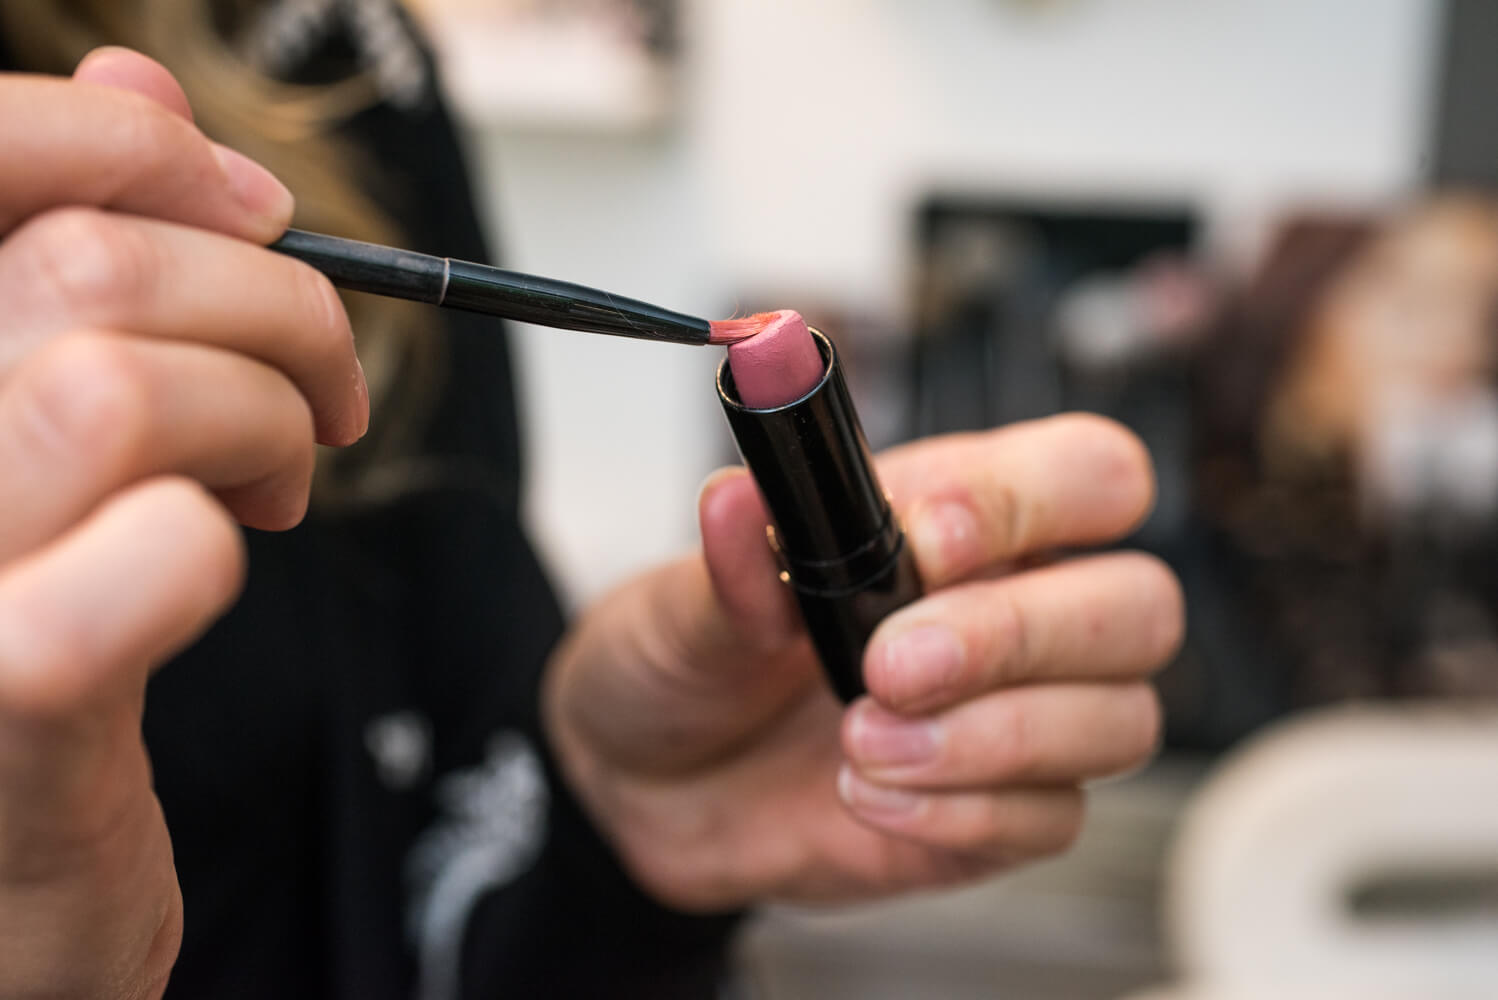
(839, 544)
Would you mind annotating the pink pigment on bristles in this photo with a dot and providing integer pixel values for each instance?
(778, 364)
(731, 331)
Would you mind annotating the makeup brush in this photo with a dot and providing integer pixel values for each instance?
(528, 298)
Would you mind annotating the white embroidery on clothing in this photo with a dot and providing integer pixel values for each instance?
(288, 32)
(401, 745)
(490, 827)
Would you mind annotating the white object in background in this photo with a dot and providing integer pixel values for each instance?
(1274, 846)
(1434, 453)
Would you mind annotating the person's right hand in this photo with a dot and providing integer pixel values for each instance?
(161, 376)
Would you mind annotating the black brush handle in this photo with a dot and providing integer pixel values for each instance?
(493, 291)
(368, 267)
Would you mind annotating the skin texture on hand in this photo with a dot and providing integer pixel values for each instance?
(689, 713)
(161, 376)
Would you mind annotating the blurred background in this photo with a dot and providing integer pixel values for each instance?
(1262, 234)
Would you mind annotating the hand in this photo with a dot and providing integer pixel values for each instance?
(689, 714)
(160, 376)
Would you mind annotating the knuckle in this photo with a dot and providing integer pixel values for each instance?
(971, 856)
(144, 129)
(1006, 514)
(1009, 658)
(156, 148)
(1034, 826)
(85, 397)
(1015, 753)
(89, 261)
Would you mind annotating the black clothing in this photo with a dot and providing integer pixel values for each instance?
(332, 755)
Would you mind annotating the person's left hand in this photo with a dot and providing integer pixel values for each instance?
(688, 711)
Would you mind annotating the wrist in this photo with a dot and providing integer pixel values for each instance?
(89, 901)
(109, 930)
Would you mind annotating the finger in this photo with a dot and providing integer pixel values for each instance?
(74, 268)
(968, 501)
(124, 69)
(71, 143)
(118, 593)
(999, 828)
(740, 562)
(1051, 734)
(973, 501)
(1118, 616)
(91, 413)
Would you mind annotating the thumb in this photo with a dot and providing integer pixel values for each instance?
(674, 667)
(741, 565)
(125, 69)
(723, 625)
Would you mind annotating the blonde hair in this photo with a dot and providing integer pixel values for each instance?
(289, 128)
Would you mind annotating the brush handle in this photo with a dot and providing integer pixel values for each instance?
(368, 267)
(493, 291)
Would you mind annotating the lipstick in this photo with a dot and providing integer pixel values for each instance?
(834, 531)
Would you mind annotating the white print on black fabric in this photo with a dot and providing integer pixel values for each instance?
(401, 745)
(289, 31)
(490, 825)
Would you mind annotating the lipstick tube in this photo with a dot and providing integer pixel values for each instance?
(835, 534)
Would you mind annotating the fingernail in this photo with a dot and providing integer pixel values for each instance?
(919, 662)
(882, 739)
(716, 477)
(255, 187)
(946, 534)
(875, 801)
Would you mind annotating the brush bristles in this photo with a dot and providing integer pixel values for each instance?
(731, 331)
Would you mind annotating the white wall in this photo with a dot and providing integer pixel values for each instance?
(618, 433)
(809, 127)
